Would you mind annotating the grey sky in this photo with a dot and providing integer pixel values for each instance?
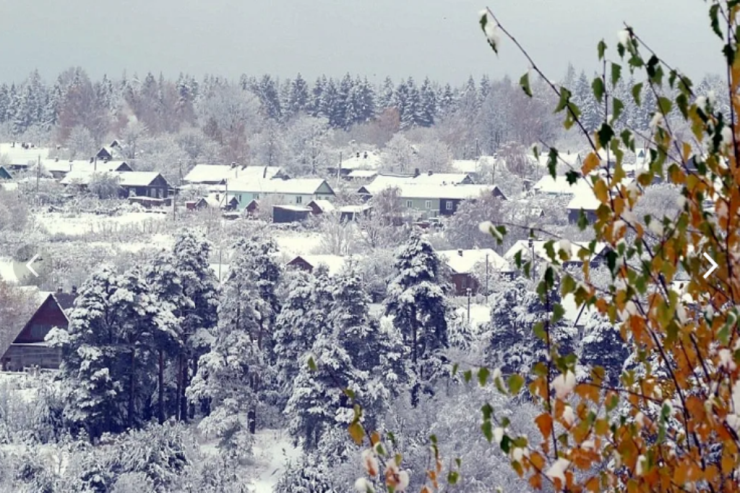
(439, 38)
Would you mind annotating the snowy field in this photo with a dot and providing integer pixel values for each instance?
(273, 450)
(298, 243)
(91, 223)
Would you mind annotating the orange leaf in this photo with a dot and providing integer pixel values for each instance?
(544, 423)
(536, 482)
(590, 163)
(374, 438)
(601, 192)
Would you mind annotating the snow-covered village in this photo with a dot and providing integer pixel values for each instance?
(282, 283)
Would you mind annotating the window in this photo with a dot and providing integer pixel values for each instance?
(409, 204)
(448, 205)
(299, 199)
(428, 204)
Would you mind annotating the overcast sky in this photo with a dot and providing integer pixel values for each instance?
(438, 38)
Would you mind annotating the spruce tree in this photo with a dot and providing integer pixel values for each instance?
(602, 346)
(416, 300)
(316, 97)
(299, 98)
(386, 97)
(428, 111)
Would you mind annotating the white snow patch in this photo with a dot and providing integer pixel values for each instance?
(91, 223)
(298, 243)
(557, 470)
(564, 384)
(272, 452)
(623, 37)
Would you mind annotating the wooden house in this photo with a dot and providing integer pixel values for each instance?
(298, 191)
(464, 264)
(333, 263)
(29, 348)
(143, 184)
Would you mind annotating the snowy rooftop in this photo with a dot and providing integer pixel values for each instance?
(80, 165)
(473, 165)
(298, 186)
(362, 160)
(355, 208)
(586, 201)
(324, 205)
(208, 173)
(362, 173)
(440, 178)
(295, 208)
(465, 261)
(560, 186)
(540, 252)
(125, 178)
(17, 155)
(381, 182)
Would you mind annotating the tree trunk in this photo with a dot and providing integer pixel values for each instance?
(178, 388)
(183, 399)
(132, 388)
(160, 404)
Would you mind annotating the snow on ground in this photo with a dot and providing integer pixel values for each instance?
(86, 223)
(297, 243)
(479, 314)
(272, 452)
(158, 241)
(6, 270)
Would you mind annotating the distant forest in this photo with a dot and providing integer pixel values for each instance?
(258, 119)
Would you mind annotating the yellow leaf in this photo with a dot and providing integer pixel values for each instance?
(374, 437)
(590, 163)
(356, 432)
(601, 192)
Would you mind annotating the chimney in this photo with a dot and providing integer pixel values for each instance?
(264, 172)
(218, 196)
(358, 154)
(74, 290)
(364, 156)
(233, 165)
(460, 252)
(60, 290)
(416, 172)
(92, 159)
(13, 145)
(429, 173)
(56, 159)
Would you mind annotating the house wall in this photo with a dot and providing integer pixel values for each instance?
(284, 199)
(419, 205)
(448, 207)
(464, 281)
(575, 214)
(18, 357)
(47, 316)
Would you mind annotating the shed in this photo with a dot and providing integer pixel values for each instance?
(321, 206)
(290, 213)
(334, 263)
(5, 173)
(463, 265)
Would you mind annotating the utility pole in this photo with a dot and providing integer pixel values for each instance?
(469, 292)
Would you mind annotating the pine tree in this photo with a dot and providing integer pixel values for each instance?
(228, 374)
(268, 93)
(329, 105)
(602, 345)
(386, 98)
(416, 300)
(446, 100)
(428, 111)
(484, 89)
(317, 94)
(591, 114)
(299, 98)
(517, 308)
(192, 252)
(344, 119)
(367, 101)
(469, 101)
(4, 102)
(108, 352)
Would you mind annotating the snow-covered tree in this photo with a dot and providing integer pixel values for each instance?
(229, 373)
(417, 302)
(602, 346)
(428, 104)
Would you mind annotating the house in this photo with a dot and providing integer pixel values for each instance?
(361, 175)
(383, 182)
(540, 252)
(442, 200)
(252, 208)
(19, 156)
(298, 191)
(560, 186)
(132, 183)
(29, 349)
(60, 169)
(219, 174)
(464, 264)
(5, 174)
(218, 201)
(290, 213)
(334, 263)
(353, 212)
(356, 161)
(197, 205)
(586, 202)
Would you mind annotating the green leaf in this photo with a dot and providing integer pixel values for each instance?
(483, 374)
(665, 105)
(539, 331)
(601, 48)
(455, 367)
(605, 134)
(617, 108)
(552, 162)
(453, 477)
(637, 93)
(565, 95)
(506, 444)
(349, 393)
(683, 105)
(714, 18)
(557, 313)
(582, 221)
(487, 411)
(467, 376)
(572, 177)
(487, 429)
(616, 73)
(598, 88)
(729, 53)
(312, 364)
(524, 83)
(515, 383)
